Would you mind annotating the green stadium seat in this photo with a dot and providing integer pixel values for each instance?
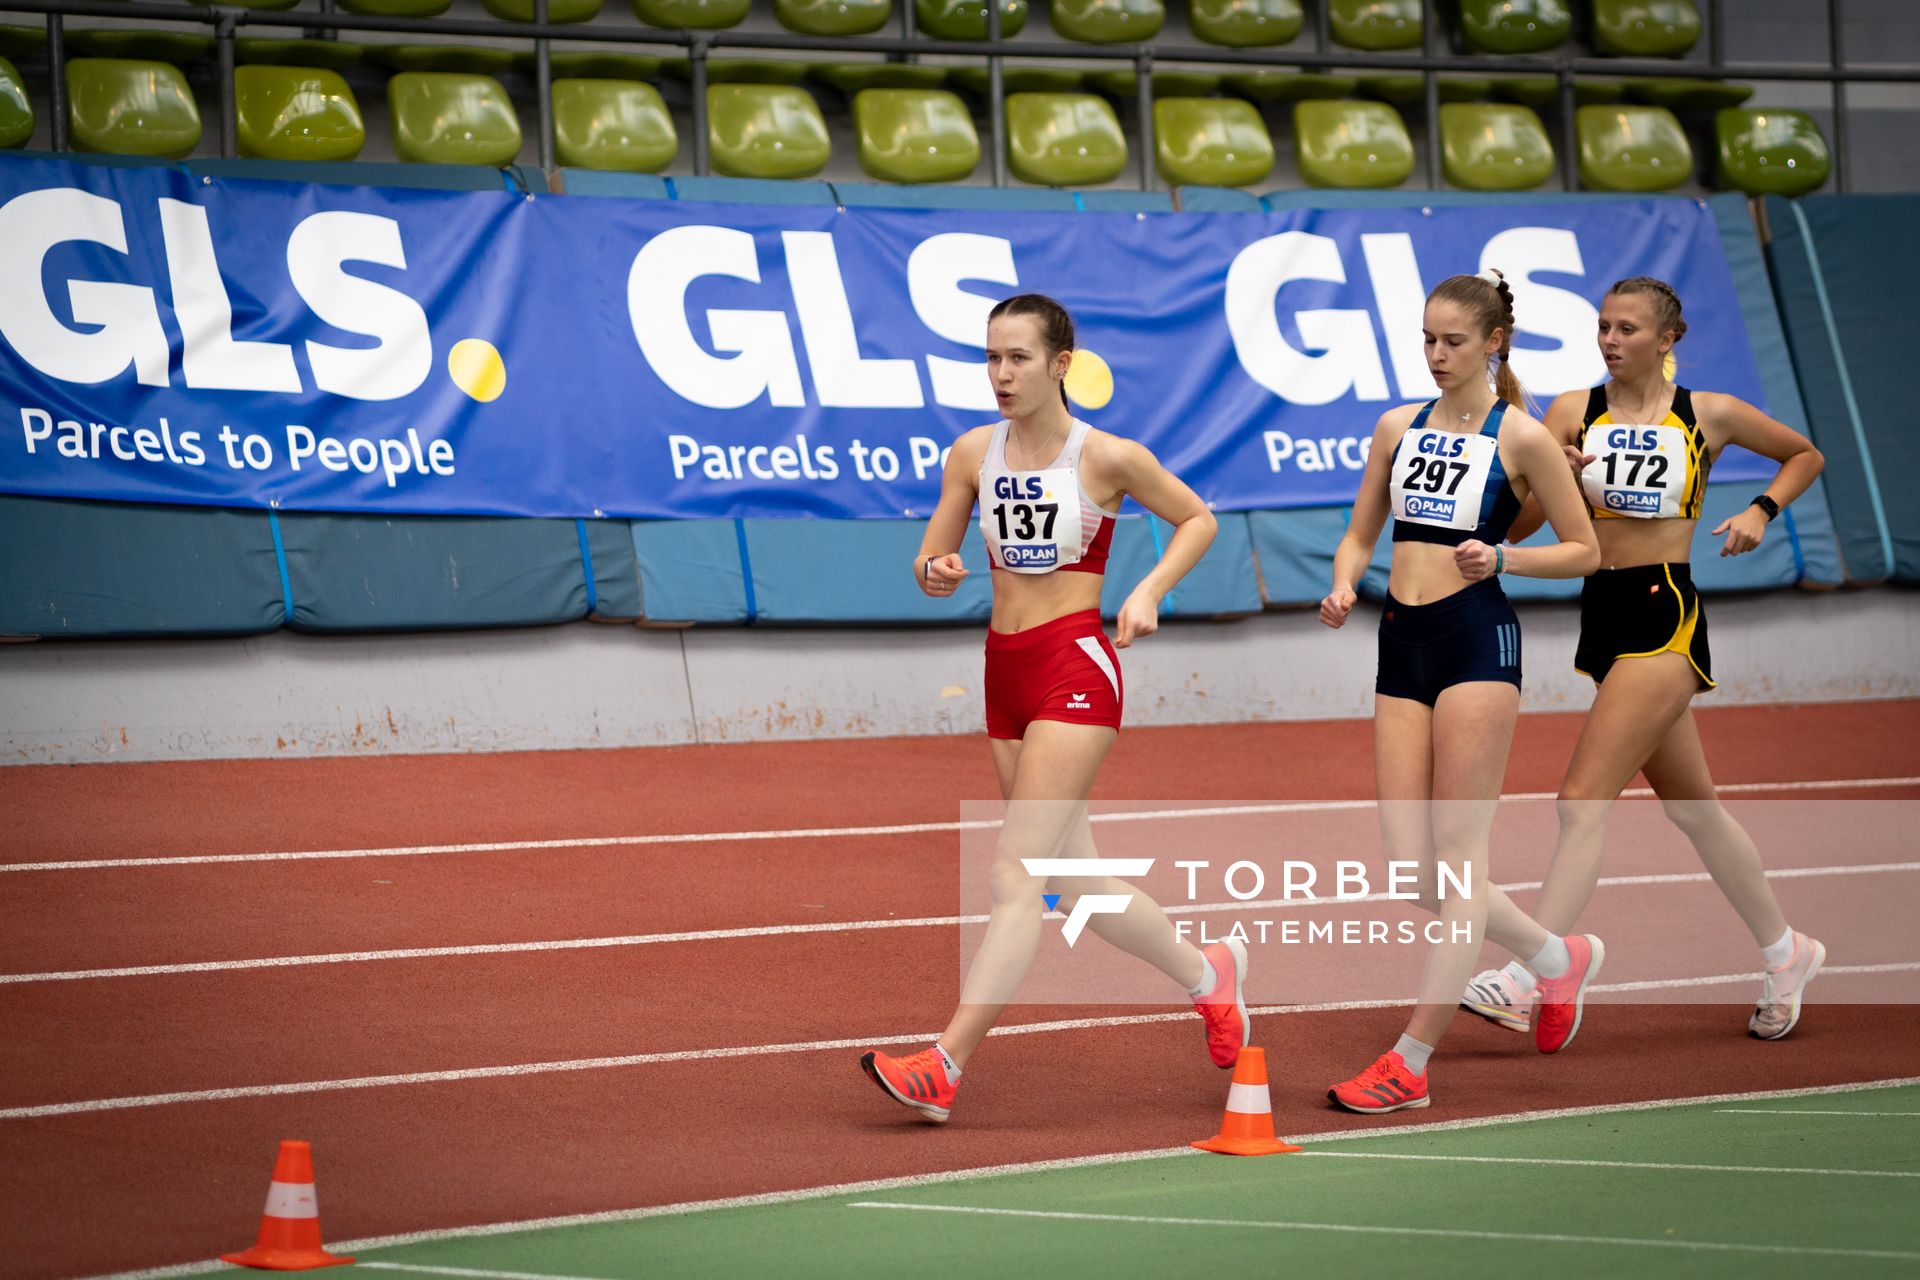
(181, 48)
(1064, 139)
(1246, 24)
(1515, 26)
(1107, 21)
(700, 15)
(452, 117)
(329, 55)
(621, 125)
(1770, 151)
(1125, 85)
(741, 70)
(1494, 147)
(591, 64)
(1020, 79)
(966, 19)
(131, 107)
(766, 131)
(296, 113)
(1645, 28)
(557, 10)
(915, 135)
(1348, 143)
(397, 8)
(16, 113)
(833, 17)
(1211, 142)
(1290, 86)
(852, 77)
(1404, 90)
(1689, 95)
(463, 59)
(1375, 25)
(1543, 92)
(21, 42)
(1627, 148)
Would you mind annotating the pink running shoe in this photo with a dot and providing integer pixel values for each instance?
(918, 1080)
(1779, 1007)
(1559, 1001)
(1224, 1009)
(1385, 1086)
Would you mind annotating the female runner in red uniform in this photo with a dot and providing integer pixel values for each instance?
(1048, 488)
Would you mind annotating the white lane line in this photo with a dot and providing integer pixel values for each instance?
(767, 1198)
(895, 829)
(1623, 1164)
(838, 926)
(1428, 1233)
(1770, 1111)
(422, 1269)
(457, 1074)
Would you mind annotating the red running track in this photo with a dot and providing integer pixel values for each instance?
(183, 1179)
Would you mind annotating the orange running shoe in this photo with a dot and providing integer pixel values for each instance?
(918, 1080)
(1385, 1086)
(1558, 1002)
(1224, 1009)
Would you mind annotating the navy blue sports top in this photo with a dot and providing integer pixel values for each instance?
(1447, 487)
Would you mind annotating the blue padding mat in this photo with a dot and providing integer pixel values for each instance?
(886, 196)
(857, 572)
(1224, 583)
(598, 182)
(690, 572)
(1295, 551)
(1845, 268)
(97, 569)
(426, 573)
(1126, 201)
(1218, 200)
(751, 191)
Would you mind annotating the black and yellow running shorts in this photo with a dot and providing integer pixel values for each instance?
(1638, 612)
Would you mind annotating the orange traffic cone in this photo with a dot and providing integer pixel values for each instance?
(290, 1227)
(1247, 1127)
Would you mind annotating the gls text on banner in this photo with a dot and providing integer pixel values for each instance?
(166, 338)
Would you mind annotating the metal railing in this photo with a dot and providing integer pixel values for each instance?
(995, 49)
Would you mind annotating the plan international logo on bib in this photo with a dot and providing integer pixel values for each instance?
(1634, 501)
(1019, 557)
(1419, 508)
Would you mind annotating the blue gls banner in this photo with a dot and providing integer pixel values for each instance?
(166, 338)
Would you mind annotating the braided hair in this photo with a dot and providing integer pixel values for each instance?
(1666, 303)
(1489, 299)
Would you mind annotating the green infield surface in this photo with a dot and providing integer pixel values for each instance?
(1816, 1183)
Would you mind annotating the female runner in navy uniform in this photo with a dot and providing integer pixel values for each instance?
(1642, 447)
(1453, 473)
(1048, 488)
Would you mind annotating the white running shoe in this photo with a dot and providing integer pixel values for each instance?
(1780, 992)
(1495, 996)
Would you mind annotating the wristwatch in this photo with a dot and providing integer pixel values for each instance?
(1767, 505)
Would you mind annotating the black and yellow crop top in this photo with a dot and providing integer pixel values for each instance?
(1645, 471)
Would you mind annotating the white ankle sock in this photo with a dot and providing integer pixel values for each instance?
(1208, 977)
(1521, 976)
(1414, 1053)
(1553, 960)
(946, 1060)
(1780, 952)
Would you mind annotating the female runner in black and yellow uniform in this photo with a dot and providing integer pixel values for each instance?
(1642, 447)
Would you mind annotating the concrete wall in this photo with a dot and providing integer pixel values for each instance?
(585, 685)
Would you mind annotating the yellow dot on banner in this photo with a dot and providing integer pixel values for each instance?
(1089, 380)
(477, 369)
(1669, 367)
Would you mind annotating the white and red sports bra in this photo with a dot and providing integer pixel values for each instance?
(1039, 521)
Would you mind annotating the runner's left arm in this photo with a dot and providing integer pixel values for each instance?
(1167, 496)
(1737, 422)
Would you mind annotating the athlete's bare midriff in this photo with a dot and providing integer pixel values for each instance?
(1625, 544)
(1023, 601)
